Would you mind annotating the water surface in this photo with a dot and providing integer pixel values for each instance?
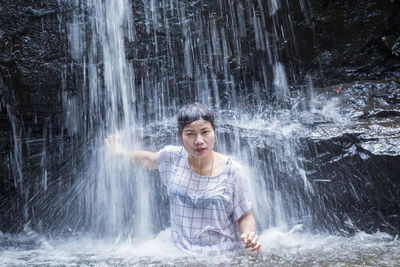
(281, 248)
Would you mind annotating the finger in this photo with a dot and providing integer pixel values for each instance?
(251, 236)
(254, 241)
(256, 246)
(257, 249)
(246, 243)
(244, 237)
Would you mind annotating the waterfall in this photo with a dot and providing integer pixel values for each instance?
(131, 66)
(224, 54)
(116, 195)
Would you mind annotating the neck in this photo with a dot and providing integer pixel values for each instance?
(202, 166)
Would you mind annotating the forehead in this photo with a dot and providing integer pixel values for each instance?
(198, 125)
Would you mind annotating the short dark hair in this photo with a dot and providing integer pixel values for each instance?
(193, 112)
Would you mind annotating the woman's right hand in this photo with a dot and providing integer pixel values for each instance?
(113, 145)
(141, 158)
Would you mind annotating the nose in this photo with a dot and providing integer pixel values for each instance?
(199, 140)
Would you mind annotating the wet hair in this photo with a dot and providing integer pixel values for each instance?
(193, 112)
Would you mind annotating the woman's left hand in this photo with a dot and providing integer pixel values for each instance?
(250, 240)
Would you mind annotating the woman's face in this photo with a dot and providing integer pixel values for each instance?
(198, 138)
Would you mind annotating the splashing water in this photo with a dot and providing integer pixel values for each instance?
(281, 248)
(127, 98)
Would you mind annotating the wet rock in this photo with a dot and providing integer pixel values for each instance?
(360, 33)
(378, 102)
(354, 152)
(381, 114)
(32, 53)
(354, 188)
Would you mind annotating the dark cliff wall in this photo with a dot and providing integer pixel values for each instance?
(33, 51)
(337, 41)
(353, 40)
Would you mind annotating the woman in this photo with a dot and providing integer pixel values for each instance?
(209, 206)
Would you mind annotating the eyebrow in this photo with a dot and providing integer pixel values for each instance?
(202, 129)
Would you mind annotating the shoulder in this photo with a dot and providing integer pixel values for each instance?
(167, 157)
(236, 167)
(238, 173)
(171, 149)
(169, 153)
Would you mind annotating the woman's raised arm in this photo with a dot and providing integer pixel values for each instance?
(145, 159)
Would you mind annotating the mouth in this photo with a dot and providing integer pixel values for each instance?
(200, 150)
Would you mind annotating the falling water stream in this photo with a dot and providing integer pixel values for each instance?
(223, 53)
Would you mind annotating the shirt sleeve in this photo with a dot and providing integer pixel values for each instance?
(241, 194)
(166, 160)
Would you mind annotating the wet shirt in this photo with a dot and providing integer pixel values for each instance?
(204, 210)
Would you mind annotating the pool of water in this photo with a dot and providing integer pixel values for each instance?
(281, 248)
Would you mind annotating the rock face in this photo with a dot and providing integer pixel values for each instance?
(356, 157)
(355, 40)
(354, 189)
(32, 52)
(356, 173)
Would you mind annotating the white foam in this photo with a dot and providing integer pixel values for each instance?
(280, 247)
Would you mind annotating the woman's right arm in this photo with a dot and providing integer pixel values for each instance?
(145, 159)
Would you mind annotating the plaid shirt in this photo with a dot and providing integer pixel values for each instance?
(204, 210)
